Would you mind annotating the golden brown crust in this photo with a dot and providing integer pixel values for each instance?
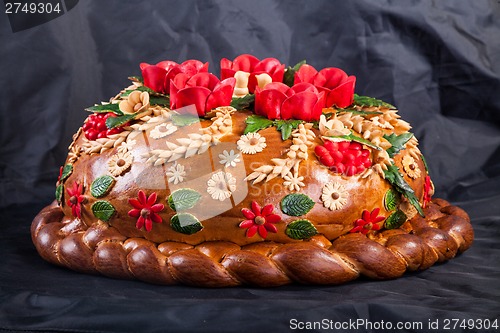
(101, 248)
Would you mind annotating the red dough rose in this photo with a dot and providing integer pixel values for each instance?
(158, 77)
(250, 64)
(338, 87)
(278, 101)
(204, 90)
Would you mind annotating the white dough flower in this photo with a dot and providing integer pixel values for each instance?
(332, 127)
(334, 196)
(293, 181)
(221, 185)
(229, 158)
(119, 163)
(162, 130)
(410, 166)
(176, 173)
(251, 143)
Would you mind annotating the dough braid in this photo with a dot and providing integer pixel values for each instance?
(101, 249)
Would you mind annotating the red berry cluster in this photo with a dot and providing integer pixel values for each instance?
(344, 157)
(95, 126)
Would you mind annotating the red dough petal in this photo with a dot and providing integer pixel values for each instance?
(244, 62)
(365, 216)
(143, 65)
(222, 94)
(268, 209)
(304, 86)
(343, 95)
(306, 73)
(141, 196)
(154, 78)
(148, 224)
(226, 73)
(268, 102)
(192, 67)
(256, 208)
(273, 218)
(299, 106)
(271, 227)
(151, 199)
(374, 214)
(157, 208)
(167, 64)
(248, 213)
(206, 80)
(156, 218)
(140, 222)
(134, 212)
(246, 224)
(252, 231)
(262, 231)
(193, 95)
(333, 77)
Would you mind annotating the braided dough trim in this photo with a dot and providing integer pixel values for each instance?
(101, 249)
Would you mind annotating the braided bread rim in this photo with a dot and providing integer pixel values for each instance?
(100, 249)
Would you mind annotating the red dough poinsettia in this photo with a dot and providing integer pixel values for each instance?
(337, 85)
(145, 210)
(259, 220)
(158, 77)
(76, 198)
(250, 64)
(278, 101)
(369, 221)
(204, 90)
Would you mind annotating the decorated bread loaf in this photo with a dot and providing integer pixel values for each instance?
(266, 175)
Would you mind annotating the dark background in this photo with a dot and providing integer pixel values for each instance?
(437, 61)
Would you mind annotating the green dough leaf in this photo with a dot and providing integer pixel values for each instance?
(398, 142)
(101, 186)
(103, 210)
(183, 199)
(296, 204)
(256, 123)
(240, 103)
(425, 163)
(59, 193)
(159, 100)
(136, 79)
(360, 113)
(286, 127)
(395, 220)
(352, 137)
(185, 223)
(394, 177)
(105, 109)
(113, 122)
(141, 88)
(391, 200)
(67, 171)
(289, 76)
(300, 229)
(184, 119)
(370, 101)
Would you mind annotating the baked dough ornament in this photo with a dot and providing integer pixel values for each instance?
(290, 178)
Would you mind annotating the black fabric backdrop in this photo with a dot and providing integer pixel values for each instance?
(439, 62)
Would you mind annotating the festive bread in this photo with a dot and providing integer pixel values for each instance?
(266, 177)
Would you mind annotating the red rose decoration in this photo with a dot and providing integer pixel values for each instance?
(278, 101)
(250, 64)
(337, 85)
(158, 77)
(204, 90)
